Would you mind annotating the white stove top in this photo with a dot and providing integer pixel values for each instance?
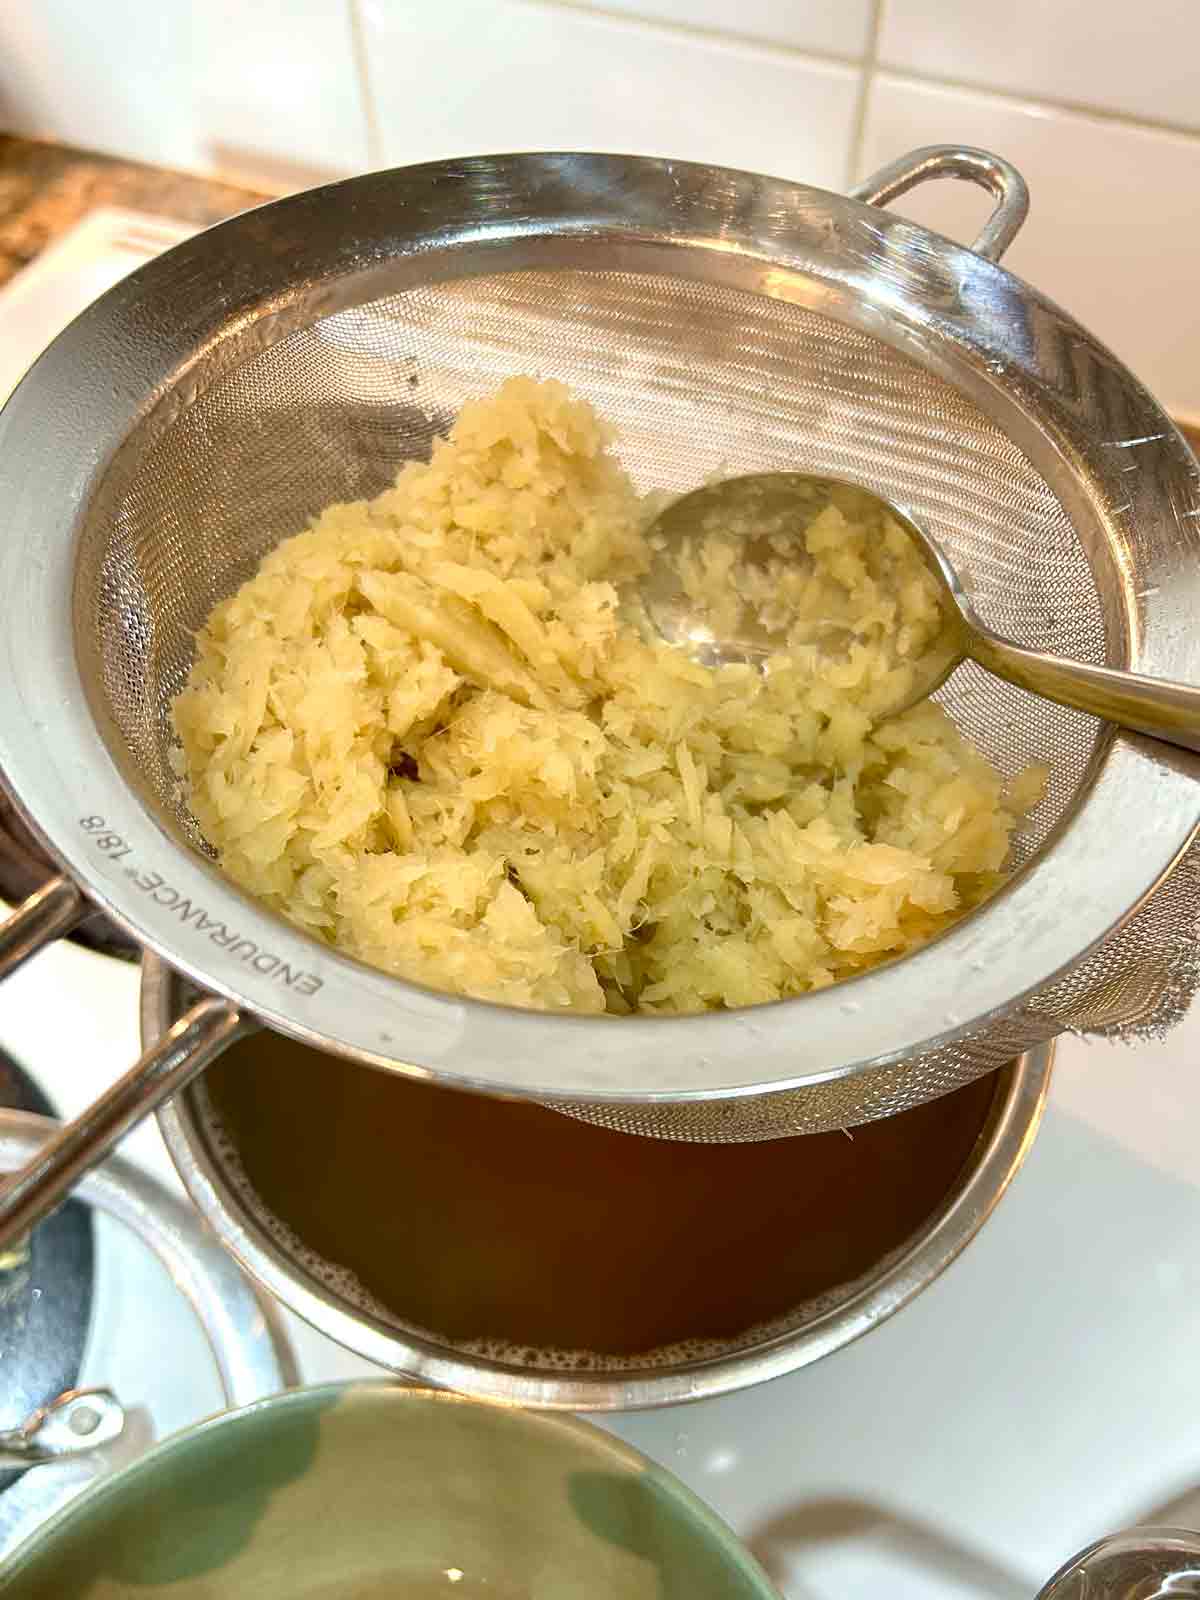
(1043, 1392)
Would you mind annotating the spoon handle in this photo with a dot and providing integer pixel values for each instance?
(1164, 710)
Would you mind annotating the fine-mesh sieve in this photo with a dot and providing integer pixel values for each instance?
(205, 408)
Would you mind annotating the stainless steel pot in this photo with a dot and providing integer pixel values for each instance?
(207, 1174)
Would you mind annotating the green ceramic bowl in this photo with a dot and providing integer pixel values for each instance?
(372, 1491)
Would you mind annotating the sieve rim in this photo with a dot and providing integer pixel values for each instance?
(146, 345)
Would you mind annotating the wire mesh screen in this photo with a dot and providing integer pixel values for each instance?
(698, 380)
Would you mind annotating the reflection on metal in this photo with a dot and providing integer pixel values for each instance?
(76, 1422)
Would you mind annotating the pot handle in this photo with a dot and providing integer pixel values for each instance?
(999, 177)
(49, 913)
(197, 1038)
(48, 1176)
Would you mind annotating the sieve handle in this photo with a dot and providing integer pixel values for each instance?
(184, 1050)
(1155, 706)
(49, 913)
(999, 177)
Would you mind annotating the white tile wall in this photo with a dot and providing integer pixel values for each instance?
(1141, 58)
(834, 27)
(284, 92)
(275, 93)
(267, 94)
(518, 75)
(112, 75)
(1114, 222)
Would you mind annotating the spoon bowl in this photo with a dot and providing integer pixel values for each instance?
(768, 513)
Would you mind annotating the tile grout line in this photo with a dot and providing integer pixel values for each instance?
(1018, 97)
(867, 62)
(858, 132)
(688, 30)
(366, 93)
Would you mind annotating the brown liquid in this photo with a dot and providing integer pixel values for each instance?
(478, 1218)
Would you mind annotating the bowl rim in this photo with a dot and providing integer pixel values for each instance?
(387, 1392)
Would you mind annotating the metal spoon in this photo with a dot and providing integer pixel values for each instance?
(767, 500)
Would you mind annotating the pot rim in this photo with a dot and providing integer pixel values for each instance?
(1003, 1145)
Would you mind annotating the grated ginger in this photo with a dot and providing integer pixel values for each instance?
(427, 732)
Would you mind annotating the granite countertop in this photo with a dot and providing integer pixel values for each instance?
(47, 188)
